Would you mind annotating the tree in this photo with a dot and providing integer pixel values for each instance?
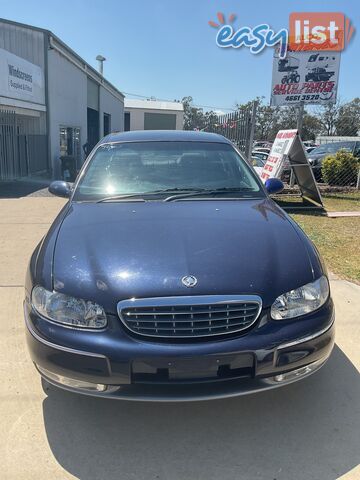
(267, 118)
(328, 116)
(194, 118)
(311, 127)
(348, 121)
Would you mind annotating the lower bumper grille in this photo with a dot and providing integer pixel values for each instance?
(195, 316)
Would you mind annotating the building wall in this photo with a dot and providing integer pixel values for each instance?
(23, 42)
(114, 107)
(137, 117)
(22, 101)
(52, 92)
(67, 103)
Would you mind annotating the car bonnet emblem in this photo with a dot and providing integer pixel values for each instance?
(189, 281)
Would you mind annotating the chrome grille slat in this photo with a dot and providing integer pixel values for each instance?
(195, 312)
(195, 319)
(195, 316)
(189, 328)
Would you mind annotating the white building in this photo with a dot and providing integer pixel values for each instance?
(51, 103)
(153, 115)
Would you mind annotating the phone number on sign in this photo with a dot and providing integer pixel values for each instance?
(301, 98)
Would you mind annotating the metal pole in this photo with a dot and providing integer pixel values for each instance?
(252, 130)
(101, 61)
(358, 180)
(299, 129)
(300, 118)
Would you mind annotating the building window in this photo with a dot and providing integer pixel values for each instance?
(127, 122)
(70, 143)
(107, 124)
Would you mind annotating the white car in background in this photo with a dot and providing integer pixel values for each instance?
(258, 163)
(262, 149)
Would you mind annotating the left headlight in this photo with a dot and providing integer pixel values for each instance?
(301, 301)
(67, 310)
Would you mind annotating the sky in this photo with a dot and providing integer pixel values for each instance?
(166, 48)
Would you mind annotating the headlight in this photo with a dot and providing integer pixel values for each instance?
(67, 310)
(303, 300)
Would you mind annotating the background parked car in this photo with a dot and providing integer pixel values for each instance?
(258, 164)
(309, 144)
(262, 143)
(261, 155)
(319, 153)
(262, 149)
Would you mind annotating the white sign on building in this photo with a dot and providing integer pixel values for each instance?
(309, 77)
(20, 79)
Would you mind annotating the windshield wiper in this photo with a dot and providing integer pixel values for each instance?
(124, 196)
(205, 191)
(115, 198)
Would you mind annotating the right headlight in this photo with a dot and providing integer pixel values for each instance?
(67, 310)
(302, 300)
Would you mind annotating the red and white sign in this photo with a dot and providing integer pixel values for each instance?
(308, 77)
(279, 150)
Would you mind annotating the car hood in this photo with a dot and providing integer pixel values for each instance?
(108, 252)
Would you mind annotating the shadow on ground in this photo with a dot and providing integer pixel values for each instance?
(307, 430)
(22, 188)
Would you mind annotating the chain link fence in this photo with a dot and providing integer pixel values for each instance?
(331, 139)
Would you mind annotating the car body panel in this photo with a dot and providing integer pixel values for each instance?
(113, 251)
(316, 158)
(108, 252)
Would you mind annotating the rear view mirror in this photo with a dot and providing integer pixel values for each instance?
(274, 185)
(60, 188)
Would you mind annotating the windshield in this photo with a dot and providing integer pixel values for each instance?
(152, 167)
(333, 147)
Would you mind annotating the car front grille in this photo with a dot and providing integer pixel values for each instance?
(192, 316)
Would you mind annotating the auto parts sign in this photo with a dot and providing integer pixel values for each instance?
(308, 77)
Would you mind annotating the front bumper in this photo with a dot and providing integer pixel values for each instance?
(126, 367)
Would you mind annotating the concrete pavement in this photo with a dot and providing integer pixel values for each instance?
(308, 430)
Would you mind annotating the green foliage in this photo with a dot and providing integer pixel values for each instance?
(340, 169)
(269, 120)
(340, 119)
(195, 118)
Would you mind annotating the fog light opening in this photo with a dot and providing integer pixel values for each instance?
(299, 372)
(71, 382)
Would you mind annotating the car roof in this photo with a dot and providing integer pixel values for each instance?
(164, 136)
(336, 143)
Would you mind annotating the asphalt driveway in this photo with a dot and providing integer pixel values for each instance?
(308, 430)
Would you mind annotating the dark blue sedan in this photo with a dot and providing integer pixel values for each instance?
(170, 274)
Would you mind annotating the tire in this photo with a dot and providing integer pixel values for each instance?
(284, 80)
(297, 78)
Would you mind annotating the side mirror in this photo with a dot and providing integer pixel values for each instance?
(60, 188)
(274, 185)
